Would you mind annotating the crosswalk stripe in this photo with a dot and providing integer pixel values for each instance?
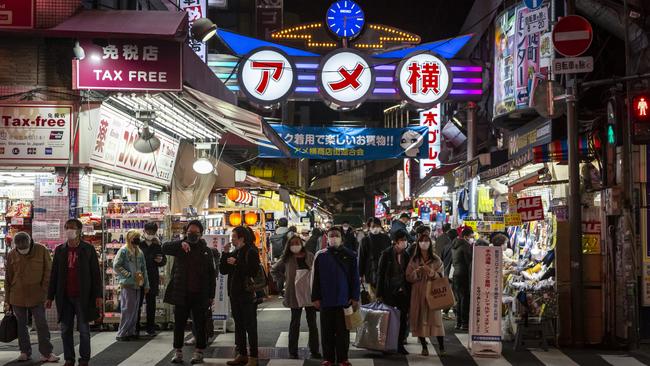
(216, 361)
(283, 340)
(553, 357)
(416, 359)
(619, 360)
(98, 343)
(224, 340)
(481, 361)
(7, 356)
(286, 362)
(152, 352)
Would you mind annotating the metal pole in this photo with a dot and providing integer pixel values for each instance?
(575, 218)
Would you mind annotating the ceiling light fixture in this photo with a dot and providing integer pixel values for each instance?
(203, 165)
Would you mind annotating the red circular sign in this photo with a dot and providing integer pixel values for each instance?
(572, 36)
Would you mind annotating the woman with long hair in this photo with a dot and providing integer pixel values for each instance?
(131, 271)
(294, 270)
(425, 266)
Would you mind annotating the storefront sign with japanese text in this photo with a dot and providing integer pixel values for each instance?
(268, 16)
(52, 185)
(196, 9)
(431, 119)
(17, 13)
(220, 306)
(513, 219)
(573, 65)
(485, 302)
(346, 77)
(535, 21)
(266, 76)
(113, 150)
(424, 79)
(530, 208)
(145, 64)
(380, 209)
(35, 134)
(350, 143)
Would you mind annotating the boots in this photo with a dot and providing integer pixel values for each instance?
(252, 361)
(239, 360)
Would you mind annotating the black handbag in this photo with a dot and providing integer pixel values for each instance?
(8, 328)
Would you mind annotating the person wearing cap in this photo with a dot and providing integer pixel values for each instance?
(401, 225)
(27, 279)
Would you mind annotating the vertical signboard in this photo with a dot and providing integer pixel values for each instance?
(485, 304)
(407, 178)
(268, 17)
(17, 13)
(431, 119)
(220, 306)
(504, 84)
(196, 9)
(380, 210)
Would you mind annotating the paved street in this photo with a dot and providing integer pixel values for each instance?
(273, 325)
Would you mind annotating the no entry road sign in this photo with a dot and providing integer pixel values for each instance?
(572, 36)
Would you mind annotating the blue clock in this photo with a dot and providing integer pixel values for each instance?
(345, 18)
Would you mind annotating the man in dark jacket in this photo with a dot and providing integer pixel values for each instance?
(76, 285)
(191, 287)
(392, 287)
(279, 238)
(349, 237)
(370, 251)
(443, 240)
(462, 262)
(313, 243)
(154, 258)
(335, 286)
(400, 225)
(241, 266)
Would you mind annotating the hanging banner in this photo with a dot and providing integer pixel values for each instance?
(220, 305)
(485, 303)
(380, 209)
(431, 120)
(350, 143)
(530, 208)
(196, 9)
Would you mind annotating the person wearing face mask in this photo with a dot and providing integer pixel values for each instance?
(150, 246)
(349, 238)
(369, 253)
(423, 267)
(462, 263)
(335, 286)
(191, 288)
(76, 285)
(27, 277)
(392, 287)
(294, 268)
(241, 265)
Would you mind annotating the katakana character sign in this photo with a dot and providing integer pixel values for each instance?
(266, 76)
(431, 119)
(424, 79)
(346, 78)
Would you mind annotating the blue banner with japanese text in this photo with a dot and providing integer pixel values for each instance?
(350, 143)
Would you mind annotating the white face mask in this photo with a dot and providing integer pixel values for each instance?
(335, 241)
(23, 251)
(346, 227)
(471, 240)
(424, 245)
(71, 234)
(375, 230)
(295, 249)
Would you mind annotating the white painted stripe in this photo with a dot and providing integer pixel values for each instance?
(481, 361)
(362, 361)
(621, 360)
(286, 362)
(283, 340)
(8, 356)
(224, 340)
(553, 357)
(216, 361)
(571, 36)
(98, 343)
(274, 309)
(152, 352)
(416, 359)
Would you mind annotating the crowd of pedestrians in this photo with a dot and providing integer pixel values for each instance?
(318, 271)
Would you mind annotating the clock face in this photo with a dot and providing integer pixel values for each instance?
(345, 18)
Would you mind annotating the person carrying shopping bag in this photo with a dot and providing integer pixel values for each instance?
(131, 271)
(424, 267)
(294, 269)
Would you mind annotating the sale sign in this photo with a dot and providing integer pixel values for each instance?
(129, 65)
(16, 14)
(530, 208)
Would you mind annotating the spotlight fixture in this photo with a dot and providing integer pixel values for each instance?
(203, 29)
(203, 165)
(146, 142)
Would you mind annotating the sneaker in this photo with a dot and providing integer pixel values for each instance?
(24, 357)
(425, 351)
(51, 358)
(178, 357)
(191, 342)
(197, 357)
(239, 360)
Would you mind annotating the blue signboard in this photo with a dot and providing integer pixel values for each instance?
(351, 143)
(533, 4)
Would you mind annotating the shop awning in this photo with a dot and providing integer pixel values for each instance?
(433, 177)
(558, 150)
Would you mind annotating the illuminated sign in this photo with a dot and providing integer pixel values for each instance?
(641, 108)
(431, 119)
(424, 79)
(346, 78)
(267, 76)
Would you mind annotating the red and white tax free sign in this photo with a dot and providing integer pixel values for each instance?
(129, 65)
(424, 79)
(530, 208)
(431, 119)
(266, 76)
(346, 78)
(17, 13)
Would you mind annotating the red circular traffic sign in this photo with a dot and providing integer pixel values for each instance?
(572, 36)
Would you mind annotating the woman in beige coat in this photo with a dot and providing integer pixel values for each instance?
(425, 266)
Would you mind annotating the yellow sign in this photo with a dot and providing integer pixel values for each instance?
(512, 219)
(486, 226)
(472, 224)
(591, 244)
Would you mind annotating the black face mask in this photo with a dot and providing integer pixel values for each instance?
(193, 237)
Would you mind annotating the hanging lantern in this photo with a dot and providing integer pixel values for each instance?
(250, 218)
(232, 194)
(235, 219)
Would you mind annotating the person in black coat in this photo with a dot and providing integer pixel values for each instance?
(313, 243)
(392, 287)
(77, 293)
(241, 266)
(154, 258)
(370, 251)
(191, 287)
(349, 238)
